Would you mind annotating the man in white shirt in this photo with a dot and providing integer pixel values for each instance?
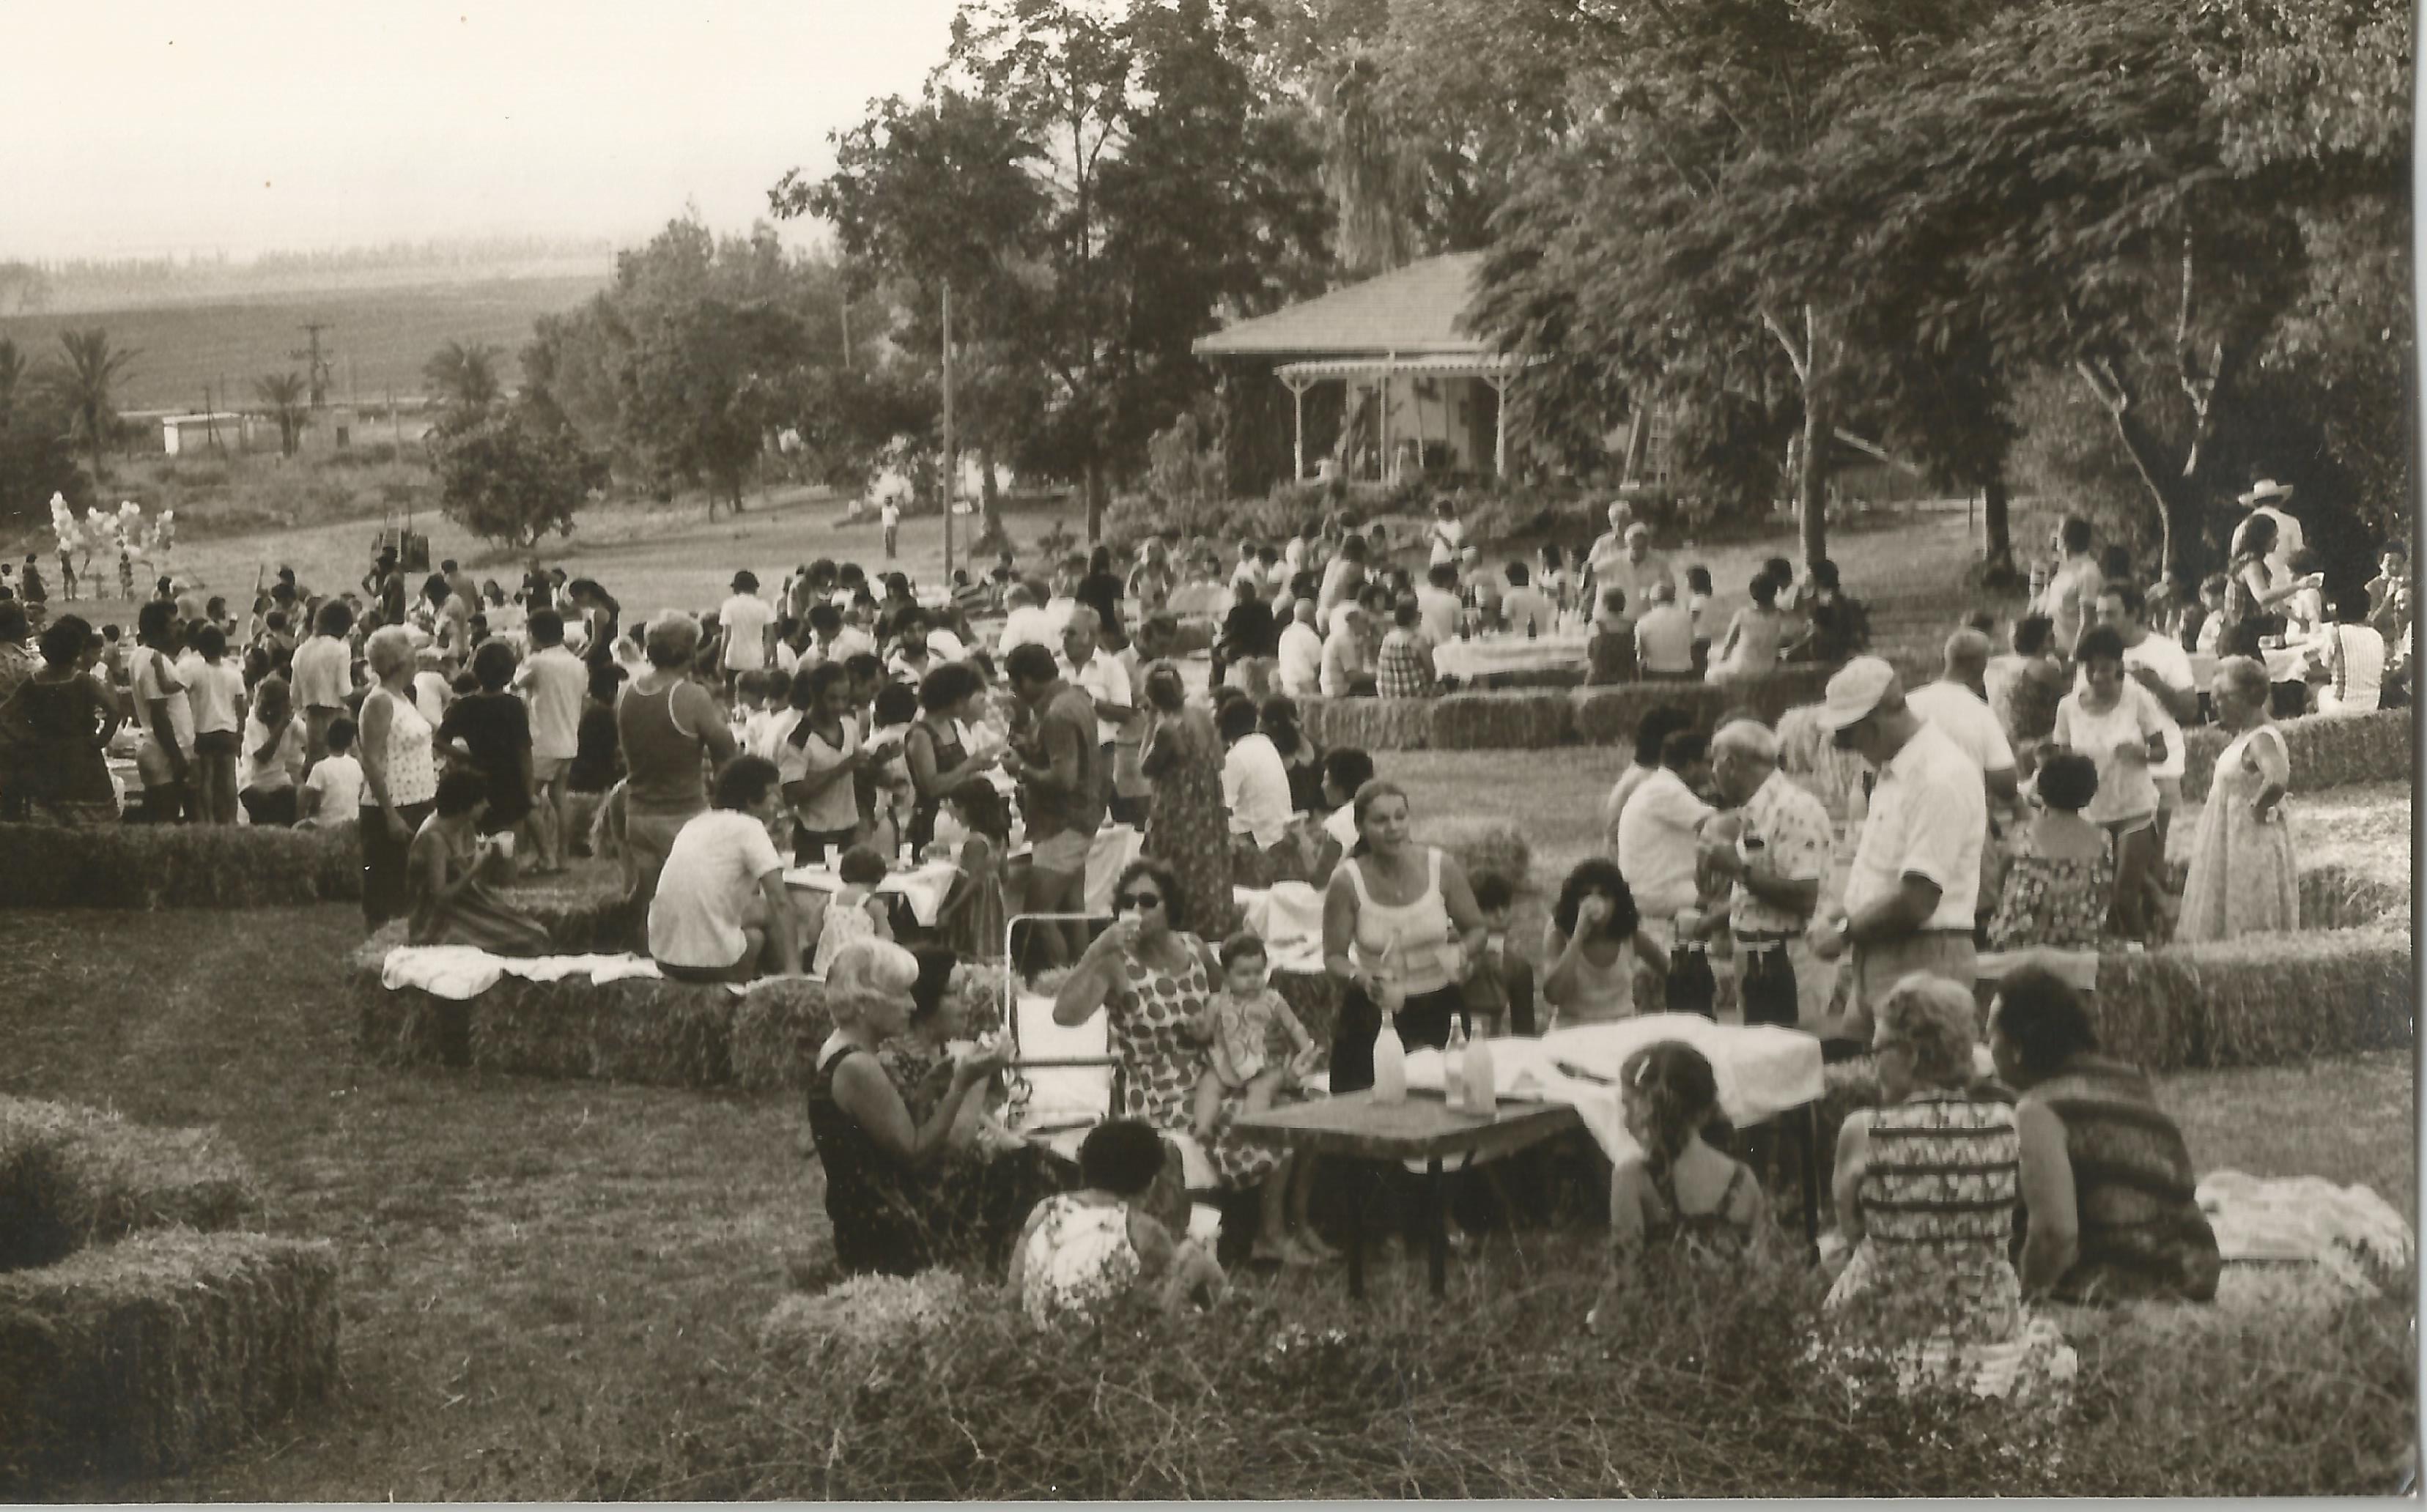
(323, 674)
(1254, 781)
(2070, 596)
(1777, 862)
(1341, 579)
(749, 622)
(1664, 637)
(1024, 622)
(720, 899)
(554, 682)
(1525, 609)
(2159, 664)
(1099, 673)
(1909, 899)
(1637, 569)
(1603, 555)
(1659, 833)
(1438, 609)
(838, 639)
(1301, 653)
(889, 516)
(1958, 704)
(1346, 657)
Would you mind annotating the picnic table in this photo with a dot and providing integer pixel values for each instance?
(1471, 661)
(2284, 663)
(925, 886)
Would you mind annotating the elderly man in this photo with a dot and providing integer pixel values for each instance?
(667, 725)
(1917, 872)
(1100, 675)
(1348, 654)
(1024, 620)
(1663, 637)
(1059, 791)
(2159, 664)
(1609, 547)
(1777, 862)
(2072, 593)
(1958, 704)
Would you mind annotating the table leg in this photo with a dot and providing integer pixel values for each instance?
(1810, 1160)
(1437, 1239)
(1356, 1196)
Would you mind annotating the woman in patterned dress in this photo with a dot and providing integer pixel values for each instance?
(1187, 825)
(1154, 978)
(1927, 1187)
(2242, 879)
(2063, 872)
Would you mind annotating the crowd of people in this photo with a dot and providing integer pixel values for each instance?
(998, 725)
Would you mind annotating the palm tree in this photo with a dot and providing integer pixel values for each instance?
(289, 401)
(464, 377)
(84, 381)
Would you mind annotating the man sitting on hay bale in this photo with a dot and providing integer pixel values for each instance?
(719, 913)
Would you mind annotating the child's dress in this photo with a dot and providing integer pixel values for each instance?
(974, 929)
(847, 919)
(1243, 1035)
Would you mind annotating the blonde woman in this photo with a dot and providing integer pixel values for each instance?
(399, 776)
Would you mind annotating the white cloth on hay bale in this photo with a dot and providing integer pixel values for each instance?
(2344, 1237)
(460, 972)
(1288, 917)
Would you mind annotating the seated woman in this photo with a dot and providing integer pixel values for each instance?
(720, 908)
(1677, 1195)
(1596, 949)
(1927, 1188)
(2063, 870)
(1154, 980)
(2122, 1222)
(449, 873)
(886, 1212)
(1082, 1250)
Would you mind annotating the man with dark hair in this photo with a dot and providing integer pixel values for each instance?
(719, 900)
(1660, 832)
(1055, 767)
(2072, 593)
(322, 676)
(555, 683)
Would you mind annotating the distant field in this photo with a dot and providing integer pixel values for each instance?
(380, 336)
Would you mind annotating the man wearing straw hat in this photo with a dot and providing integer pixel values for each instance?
(2264, 498)
(1916, 877)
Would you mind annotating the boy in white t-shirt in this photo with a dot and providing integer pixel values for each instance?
(216, 685)
(334, 791)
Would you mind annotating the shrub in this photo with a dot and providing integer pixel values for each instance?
(2326, 751)
(72, 1178)
(133, 1358)
(176, 866)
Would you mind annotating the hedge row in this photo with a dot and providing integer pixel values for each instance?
(176, 866)
(136, 1357)
(2327, 750)
(1534, 720)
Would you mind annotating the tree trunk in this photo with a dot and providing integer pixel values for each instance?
(1638, 441)
(989, 496)
(1999, 555)
(1812, 480)
(2176, 494)
(1098, 486)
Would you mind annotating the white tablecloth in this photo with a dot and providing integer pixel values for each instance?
(1491, 654)
(1761, 1071)
(1288, 917)
(2284, 664)
(926, 887)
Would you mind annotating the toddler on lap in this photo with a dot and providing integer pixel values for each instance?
(1245, 1026)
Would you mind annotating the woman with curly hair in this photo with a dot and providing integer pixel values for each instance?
(1599, 953)
(1677, 1190)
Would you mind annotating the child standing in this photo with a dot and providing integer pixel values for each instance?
(333, 790)
(1677, 1192)
(1241, 1025)
(854, 912)
(216, 685)
(1500, 991)
(972, 832)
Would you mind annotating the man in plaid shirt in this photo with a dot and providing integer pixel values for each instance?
(1404, 667)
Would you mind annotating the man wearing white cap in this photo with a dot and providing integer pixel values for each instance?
(1916, 873)
(1608, 548)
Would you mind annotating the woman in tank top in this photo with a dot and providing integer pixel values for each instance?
(1593, 944)
(1399, 925)
(670, 732)
(400, 777)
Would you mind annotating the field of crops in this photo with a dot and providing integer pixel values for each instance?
(380, 336)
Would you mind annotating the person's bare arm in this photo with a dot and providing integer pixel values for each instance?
(1846, 1180)
(782, 927)
(1089, 983)
(868, 1095)
(1464, 916)
(2054, 1241)
(1896, 914)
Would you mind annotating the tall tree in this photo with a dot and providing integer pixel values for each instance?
(465, 376)
(86, 379)
(289, 402)
(707, 384)
(511, 474)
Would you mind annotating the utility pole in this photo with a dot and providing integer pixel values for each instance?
(952, 459)
(317, 375)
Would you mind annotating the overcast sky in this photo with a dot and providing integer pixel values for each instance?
(141, 127)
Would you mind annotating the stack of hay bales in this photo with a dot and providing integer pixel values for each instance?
(177, 865)
(1520, 720)
(2326, 750)
(138, 1327)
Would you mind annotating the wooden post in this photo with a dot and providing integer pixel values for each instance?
(1499, 382)
(952, 458)
(1384, 407)
(1298, 386)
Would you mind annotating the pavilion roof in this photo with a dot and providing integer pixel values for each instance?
(1417, 309)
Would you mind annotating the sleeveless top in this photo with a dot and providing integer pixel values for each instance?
(412, 774)
(1602, 994)
(2142, 1231)
(2360, 683)
(878, 1227)
(1700, 1237)
(948, 754)
(1416, 934)
(1079, 1256)
(1942, 1180)
(662, 758)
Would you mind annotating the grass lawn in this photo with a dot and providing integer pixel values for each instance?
(542, 1277)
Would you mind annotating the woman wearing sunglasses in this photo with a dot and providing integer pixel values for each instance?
(1155, 979)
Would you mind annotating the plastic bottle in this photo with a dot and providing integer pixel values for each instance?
(1389, 1062)
(1454, 1090)
(1482, 1089)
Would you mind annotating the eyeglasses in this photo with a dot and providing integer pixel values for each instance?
(1138, 899)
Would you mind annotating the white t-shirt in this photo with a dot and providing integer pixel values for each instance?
(1656, 845)
(1341, 824)
(2164, 656)
(554, 682)
(431, 693)
(1529, 604)
(2126, 788)
(1103, 677)
(1438, 613)
(323, 668)
(836, 807)
(1024, 625)
(709, 887)
(1966, 721)
(1664, 639)
(1255, 786)
(1447, 536)
(215, 690)
(337, 782)
(746, 618)
(155, 677)
(284, 765)
(1301, 660)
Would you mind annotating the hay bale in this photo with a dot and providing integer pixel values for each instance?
(2334, 897)
(1502, 720)
(72, 1178)
(1607, 715)
(2262, 1000)
(136, 1357)
(2326, 751)
(145, 867)
(1367, 723)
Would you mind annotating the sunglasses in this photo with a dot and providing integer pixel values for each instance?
(1139, 900)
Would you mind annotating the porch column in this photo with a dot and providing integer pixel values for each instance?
(1298, 388)
(1499, 382)
(1388, 468)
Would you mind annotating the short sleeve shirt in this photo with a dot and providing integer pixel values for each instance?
(802, 751)
(323, 668)
(555, 682)
(708, 887)
(2126, 788)
(1928, 818)
(2166, 656)
(746, 618)
(1793, 828)
(1656, 844)
(1965, 720)
(1301, 659)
